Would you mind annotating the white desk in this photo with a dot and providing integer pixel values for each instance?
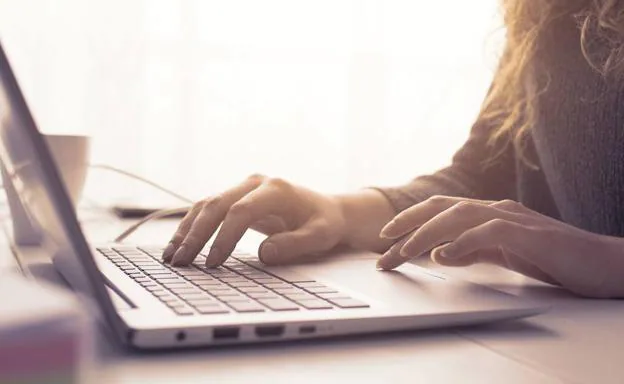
(579, 341)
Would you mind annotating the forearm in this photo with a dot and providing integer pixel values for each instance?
(365, 214)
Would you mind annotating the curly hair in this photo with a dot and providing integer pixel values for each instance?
(510, 102)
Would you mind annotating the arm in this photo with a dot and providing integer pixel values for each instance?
(478, 171)
(300, 222)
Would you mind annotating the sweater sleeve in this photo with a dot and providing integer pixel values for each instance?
(478, 170)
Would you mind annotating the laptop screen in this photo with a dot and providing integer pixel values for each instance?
(28, 163)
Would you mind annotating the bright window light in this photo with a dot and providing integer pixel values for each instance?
(197, 94)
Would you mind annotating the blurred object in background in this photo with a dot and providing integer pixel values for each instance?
(45, 334)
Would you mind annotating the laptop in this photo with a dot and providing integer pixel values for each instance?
(150, 305)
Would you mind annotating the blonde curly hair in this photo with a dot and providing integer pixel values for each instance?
(510, 102)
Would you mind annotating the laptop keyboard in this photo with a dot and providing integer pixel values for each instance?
(240, 285)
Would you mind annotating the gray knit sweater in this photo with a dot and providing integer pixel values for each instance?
(577, 143)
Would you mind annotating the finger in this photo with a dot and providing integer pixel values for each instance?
(495, 256)
(207, 220)
(450, 224)
(510, 236)
(262, 202)
(391, 259)
(181, 232)
(270, 225)
(412, 218)
(289, 247)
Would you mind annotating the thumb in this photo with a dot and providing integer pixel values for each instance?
(288, 247)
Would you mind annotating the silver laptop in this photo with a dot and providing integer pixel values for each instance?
(152, 305)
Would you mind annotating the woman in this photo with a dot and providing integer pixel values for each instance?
(538, 187)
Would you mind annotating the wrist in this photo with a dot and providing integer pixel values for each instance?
(364, 214)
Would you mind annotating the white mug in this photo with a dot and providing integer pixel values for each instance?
(71, 155)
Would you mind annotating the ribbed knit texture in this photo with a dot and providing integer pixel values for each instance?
(577, 143)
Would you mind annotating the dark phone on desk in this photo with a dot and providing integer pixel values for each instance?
(139, 212)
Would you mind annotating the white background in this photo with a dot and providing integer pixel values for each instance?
(197, 94)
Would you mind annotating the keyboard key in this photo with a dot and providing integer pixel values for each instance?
(310, 284)
(314, 304)
(204, 277)
(224, 293)
(251, 272)
(154, 268)
(216, 271)
(217, 288)
(231, 299)
(290, 290)
(176, 304)
(190, 272)
(279, 304)
(245, 284)
(162, 274)
(142, 280)
(177, 284)
(254, 289)
(194, 295)
(321, 290)
(300, 296)
(148, 263)
(284, 273)
(168, 299)
(246, 306)
(161, 293)
(278, 285)
(238, 279)
(168, 279)
(211, 285)
(136, 275)
(183, 311)
(263, 295)
(232, 263)
(203, 301)
(349, 303)
(154, 289)
(181, 291)
(127, 250)
(264, 280)
(211, 309)
(333, 295)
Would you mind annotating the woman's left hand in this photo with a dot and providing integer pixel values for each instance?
(462, 232)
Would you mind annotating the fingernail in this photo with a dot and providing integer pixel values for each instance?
(214, 257)
(405, 252)
(448, 252)
(387, 230)
(388, 262)
(168, 252)
(179, 256)
(268, 253)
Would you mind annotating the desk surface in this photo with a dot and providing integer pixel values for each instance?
(579, 341)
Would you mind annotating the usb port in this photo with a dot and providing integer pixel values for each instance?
(307, 329)
(225, 333)
(269, 330)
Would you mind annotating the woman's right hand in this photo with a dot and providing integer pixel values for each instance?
(298, 222)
